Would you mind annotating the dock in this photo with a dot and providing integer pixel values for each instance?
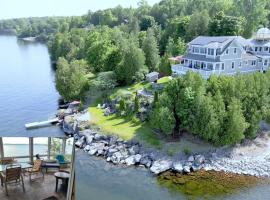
(41, 124)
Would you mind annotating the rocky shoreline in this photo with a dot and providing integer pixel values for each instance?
(120, 152)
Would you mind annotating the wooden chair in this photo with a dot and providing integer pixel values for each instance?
(6, 161)
(12, 175)
(36, 169)
(62, 161)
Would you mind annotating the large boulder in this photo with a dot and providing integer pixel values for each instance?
(80, 142)
(186, 169)
(87, 148)
(178, 167)
(111, 151)
(117, 157)
(190, 159)
(160, 166)
(134, 150)
(146, 161)
(199, 160)
(134, 159)
(70, 126)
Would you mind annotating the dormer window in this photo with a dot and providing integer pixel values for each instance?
(227, 51)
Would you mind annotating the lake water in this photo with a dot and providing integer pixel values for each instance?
(27, 94)
(98, 179)
(27, 89)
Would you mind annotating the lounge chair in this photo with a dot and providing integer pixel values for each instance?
(36, 169)
(12, 175)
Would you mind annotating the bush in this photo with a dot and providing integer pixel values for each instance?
(186, 151)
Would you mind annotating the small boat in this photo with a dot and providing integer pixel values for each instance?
(41, 124)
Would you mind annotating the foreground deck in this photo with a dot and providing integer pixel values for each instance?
(38, 189)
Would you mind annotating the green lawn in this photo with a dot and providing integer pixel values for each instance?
(130, 90)
(163, 80)
(126, 128)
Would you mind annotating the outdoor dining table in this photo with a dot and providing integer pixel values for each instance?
(23, 166)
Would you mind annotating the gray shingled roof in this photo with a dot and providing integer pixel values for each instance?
(201, 58)
(221, 41)
(249, 56)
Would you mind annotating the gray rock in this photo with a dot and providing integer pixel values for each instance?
(80, 142)
(134, 150)
(97, 137)
(146, 161)
(130, 160)
(100, 152)
(186, 169)
(89, 139)
(113, 140)
(190, 158)
(92, 151)
(177, 166)
(199, 159)
(138, 158)
(111, 151)
(87, 148)
(160, 166)
(108, 159)
(196, 167)
(116, 157)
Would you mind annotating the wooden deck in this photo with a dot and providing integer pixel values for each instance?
(38, 189)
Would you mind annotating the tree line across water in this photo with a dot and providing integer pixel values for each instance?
(118, 46)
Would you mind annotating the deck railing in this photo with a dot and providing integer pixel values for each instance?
(181, 70)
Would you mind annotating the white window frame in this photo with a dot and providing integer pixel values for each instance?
(235, 51)
(227, 51)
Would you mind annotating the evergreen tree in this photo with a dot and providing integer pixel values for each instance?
(151, 51)
(165, 66)
(136, 104)
(235, 124)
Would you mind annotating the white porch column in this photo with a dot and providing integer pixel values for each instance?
(1, 148)
(49, 148)
(31, 149)
(64, 145)
(71, 183)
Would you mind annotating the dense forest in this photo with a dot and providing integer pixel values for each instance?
(119, 46)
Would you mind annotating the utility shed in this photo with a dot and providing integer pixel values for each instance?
(152, 77)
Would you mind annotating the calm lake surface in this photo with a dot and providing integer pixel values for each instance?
(28, 94)
(27, 89)
(97, 179)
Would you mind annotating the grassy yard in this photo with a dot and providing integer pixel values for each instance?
(163, 80)
(126, 128)
(130, 90)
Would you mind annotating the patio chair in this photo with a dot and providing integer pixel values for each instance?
(61, 160)
(12, 175)
(36, 169)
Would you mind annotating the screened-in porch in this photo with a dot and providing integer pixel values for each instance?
(36, 168)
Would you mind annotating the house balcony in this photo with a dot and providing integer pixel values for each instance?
(181, 69)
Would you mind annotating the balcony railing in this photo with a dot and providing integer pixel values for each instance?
(181, 70)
